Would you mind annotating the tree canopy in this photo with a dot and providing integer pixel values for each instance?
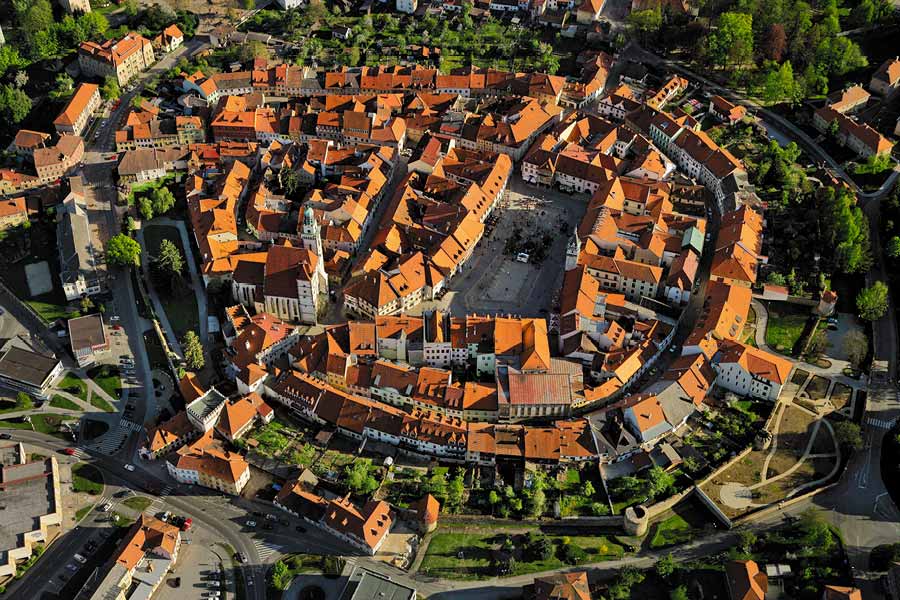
(123, 250)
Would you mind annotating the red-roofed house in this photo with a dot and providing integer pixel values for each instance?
(745, 580)
(749, 371)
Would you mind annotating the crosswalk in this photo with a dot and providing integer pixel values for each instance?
(130, 425)
(112, 441)
(81, 454)
(879, 423)
(266, 549)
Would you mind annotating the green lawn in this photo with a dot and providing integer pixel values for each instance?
(443, 556)
(20, 403)
(81, 512)
(87, 479)
(180, 305)
(121, 520)
(60, 402)
(98, 402)
(42, 423)
(138, 503)
(786, 324)
(671, 531)
(51, 312)
(74, 385)
(107, 377)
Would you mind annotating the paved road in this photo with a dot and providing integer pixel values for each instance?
(207, 512)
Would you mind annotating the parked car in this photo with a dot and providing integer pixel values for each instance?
(80, 558)
(250, 523)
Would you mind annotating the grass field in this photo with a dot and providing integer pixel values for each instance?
(458, 555)
(107, 377)
(181, 305)
(139, 503)
(60, 402)
(786, 323)
(98, 402)
(74, 385)
(670, 531)
(87, 479)
(81, 512)
(42, 423)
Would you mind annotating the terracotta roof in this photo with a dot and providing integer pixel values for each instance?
(564, 586)
(745, 580)
(427, 508)
(83, 94)
(840, 592)
(758, 363)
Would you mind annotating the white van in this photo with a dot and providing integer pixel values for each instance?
(522, 257)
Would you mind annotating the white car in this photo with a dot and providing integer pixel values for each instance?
(129, 468)
(250, 523)
(80, 558)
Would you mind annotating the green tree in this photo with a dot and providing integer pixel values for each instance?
(110, 88)
(163, 200)
(193, 351)
(748, 540)
(24, 401)
(123, 251)
(848, 435)
(856, 347)
(665, 566)
(280, 576)
(168, 265)
(352, 56)
(587, 490)
(731, 42)
(628, 578)
(64, 86)
(359, 480)
(37, 18)
(872, 301)
(493, 500)
(10, 59)
(455, 491)
(779, 83)
(659, 481)
(145, 207)
(537, 503)
(645, 24)
(15, 104)
(679, 593)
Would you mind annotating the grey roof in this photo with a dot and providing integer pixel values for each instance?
(86, 332)
(76, 249)
(207, 403)
(18, 364)
(28, 494)
(366, 585)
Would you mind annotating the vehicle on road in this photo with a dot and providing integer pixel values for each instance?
(186, 525)
(106, 507)
(68, 451)
(80, 558)
(300, 529)
(250, 523)
(5, 436)
(129, 468)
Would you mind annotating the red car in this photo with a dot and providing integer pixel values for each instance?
(69, 451)
(187, 524)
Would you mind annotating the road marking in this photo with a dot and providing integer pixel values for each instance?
(879, 423)
(266, 549)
